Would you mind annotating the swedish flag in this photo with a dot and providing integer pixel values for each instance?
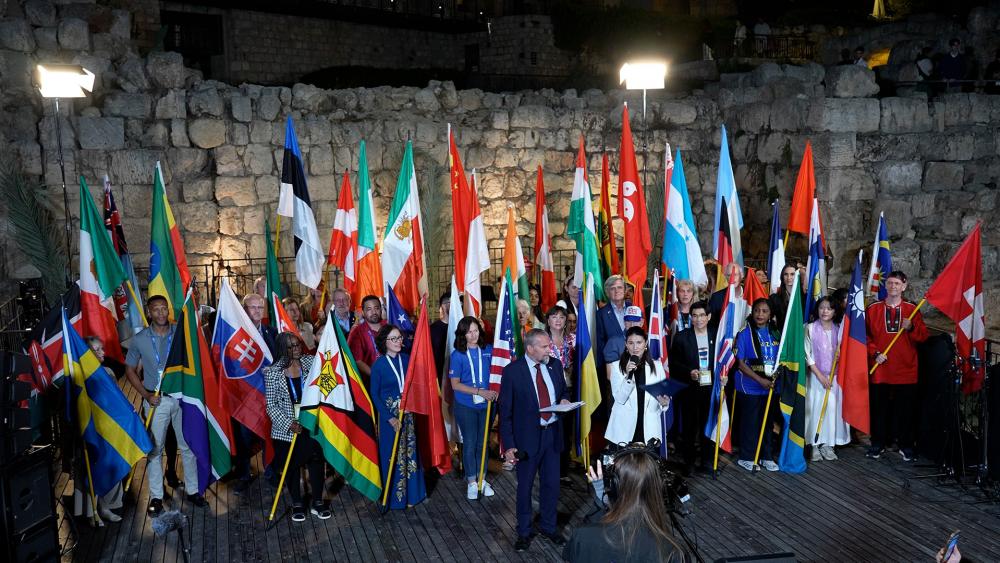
(112, 431)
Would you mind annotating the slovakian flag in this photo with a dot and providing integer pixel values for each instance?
(581, 228)
(815, 264)
(369, 266)
(294, 202)
(44, 343)
(881, 261)
(681, 251)
(632, 211)
(719, 425)
(507, 344)
(776, 251)
(422, 396)
(189, 377)
(403, 265)
(958, 293)
(513, 257)
(101, 274)
(726, 244)
(852, 360)
(344, 238)
(126, 306)
(168, 270)
(800, 215)
(605, 228)
(544, 268)
(471, 254)
(241, 355)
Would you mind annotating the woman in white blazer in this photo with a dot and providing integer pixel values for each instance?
(635, 368)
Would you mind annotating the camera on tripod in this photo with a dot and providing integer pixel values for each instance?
(675, 489)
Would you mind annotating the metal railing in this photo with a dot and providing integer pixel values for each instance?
(780, 47)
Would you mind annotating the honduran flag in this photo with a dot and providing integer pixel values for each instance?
(719, 425)
(681, 251)
(293, 201)
(881, 261)
(101, 274)
(241, 355)
(776, 252)
(726, 246)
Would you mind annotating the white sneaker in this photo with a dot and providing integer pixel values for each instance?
(487, 489)
(769, 465)
(816, 455)
(109, 516)
(745, 464)
(828, 453)
(472, 491)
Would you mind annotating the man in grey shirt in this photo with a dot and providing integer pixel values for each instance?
(148, 351)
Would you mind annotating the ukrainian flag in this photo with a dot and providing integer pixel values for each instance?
(587, 383)
(112, 431)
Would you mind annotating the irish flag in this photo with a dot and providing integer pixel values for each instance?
(101, 273)
(369, 269)
(403, 243)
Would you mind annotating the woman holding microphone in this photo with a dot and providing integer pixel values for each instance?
(635, 414)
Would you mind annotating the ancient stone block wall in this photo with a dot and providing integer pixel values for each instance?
(931, 166)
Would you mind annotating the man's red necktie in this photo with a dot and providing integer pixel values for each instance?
(543, 392)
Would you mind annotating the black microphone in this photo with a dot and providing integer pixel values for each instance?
(635, 361)
(520, 455)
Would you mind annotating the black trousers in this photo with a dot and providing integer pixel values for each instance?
(750, 411)
(893, 409)
(694, 403)
(308, 454)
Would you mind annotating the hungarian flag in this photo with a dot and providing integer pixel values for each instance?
(507, 344)
(168, 270)
(338, 413)
(581, 228)
(881, 261)
(471, 254)
(800, 215)
(815, 264)
(792, 356)
(958, 293)
(273, 279)
(127, 307)
(632, 211)
(605, 228)
(726, 244)
(101, 274)
(513, 257)
(190, 378)
(403, 242)
(344, 238)
(544, 267)
(681, 251)
(369, 268)
(421, 396)
(44, 343)
(776, 252)
(294, 202)
(852, 360)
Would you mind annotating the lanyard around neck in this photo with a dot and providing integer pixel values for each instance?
(477, 378)
(397, 372)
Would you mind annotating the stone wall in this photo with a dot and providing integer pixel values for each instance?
(931, 166)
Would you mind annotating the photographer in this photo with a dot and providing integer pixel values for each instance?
(636, 526)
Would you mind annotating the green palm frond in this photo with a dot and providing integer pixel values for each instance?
(437, 225)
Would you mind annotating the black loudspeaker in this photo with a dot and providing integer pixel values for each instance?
(993, 434)
(38, 545)
(27, 509)
(15, 421)
(770, 557)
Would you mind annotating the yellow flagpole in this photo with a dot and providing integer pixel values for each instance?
(284, 474)
(898, 334)
(90, 482)
(392, 461)
(826, 396)
(149, 418)
(482, 457)
(135, 299)
(763, 424)
(277, 233)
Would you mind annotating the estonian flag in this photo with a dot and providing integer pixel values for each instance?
(293, 201)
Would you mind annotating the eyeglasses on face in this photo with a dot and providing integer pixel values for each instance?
(394, 339)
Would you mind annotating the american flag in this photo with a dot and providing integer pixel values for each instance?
(504, 351)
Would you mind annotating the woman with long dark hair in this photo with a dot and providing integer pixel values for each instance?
(635, 415)
(636, 527)
(283, 388)
(822, 338)
(780, 299)
(469, 370)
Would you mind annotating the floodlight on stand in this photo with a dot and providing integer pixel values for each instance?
(63, 81)
(647, 75)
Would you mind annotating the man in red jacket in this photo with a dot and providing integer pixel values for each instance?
(893, 389)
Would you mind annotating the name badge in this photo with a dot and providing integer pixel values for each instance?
(704, 377)
(295, 411)
(769, 369)
(477, 400)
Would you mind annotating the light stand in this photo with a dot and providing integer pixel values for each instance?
(64, 81)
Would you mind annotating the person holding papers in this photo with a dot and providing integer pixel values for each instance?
(283, 388)
(635, 414)
(470, 378)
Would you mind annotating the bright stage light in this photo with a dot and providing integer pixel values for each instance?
(643, 75)
(63, 81)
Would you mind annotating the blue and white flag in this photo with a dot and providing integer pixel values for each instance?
(816, 264)
(881, 261)
(725, 193)
(776, 252)
(681, 251)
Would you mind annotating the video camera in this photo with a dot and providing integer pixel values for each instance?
(675, 490)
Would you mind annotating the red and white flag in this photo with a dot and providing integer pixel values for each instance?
(545, 271)
(284, 322)
(632, 211)
(344, 238)
(471, 254)
(958, 293)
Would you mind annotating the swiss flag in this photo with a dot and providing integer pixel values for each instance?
(958, 293)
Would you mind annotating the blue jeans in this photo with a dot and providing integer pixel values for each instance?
(471, 422)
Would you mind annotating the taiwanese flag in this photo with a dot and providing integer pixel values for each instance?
(958, 293)
(421, 396)
(241, 356)
(852, 364)
(632, 210)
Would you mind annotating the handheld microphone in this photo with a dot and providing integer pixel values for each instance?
(169, 522)
(520, 455)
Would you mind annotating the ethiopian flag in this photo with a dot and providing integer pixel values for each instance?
(792, 356)
(338, 413)
(168, 270)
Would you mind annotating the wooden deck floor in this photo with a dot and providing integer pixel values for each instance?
(853, 509)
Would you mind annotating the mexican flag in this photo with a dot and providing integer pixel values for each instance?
(402, 244)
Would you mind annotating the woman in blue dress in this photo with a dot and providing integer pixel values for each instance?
(470, 378)
(756, 374)
(406, 484)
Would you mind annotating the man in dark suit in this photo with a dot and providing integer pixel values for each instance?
(611, 321)
(692, 361)
(533, 439)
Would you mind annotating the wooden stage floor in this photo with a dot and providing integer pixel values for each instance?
(853, 509)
